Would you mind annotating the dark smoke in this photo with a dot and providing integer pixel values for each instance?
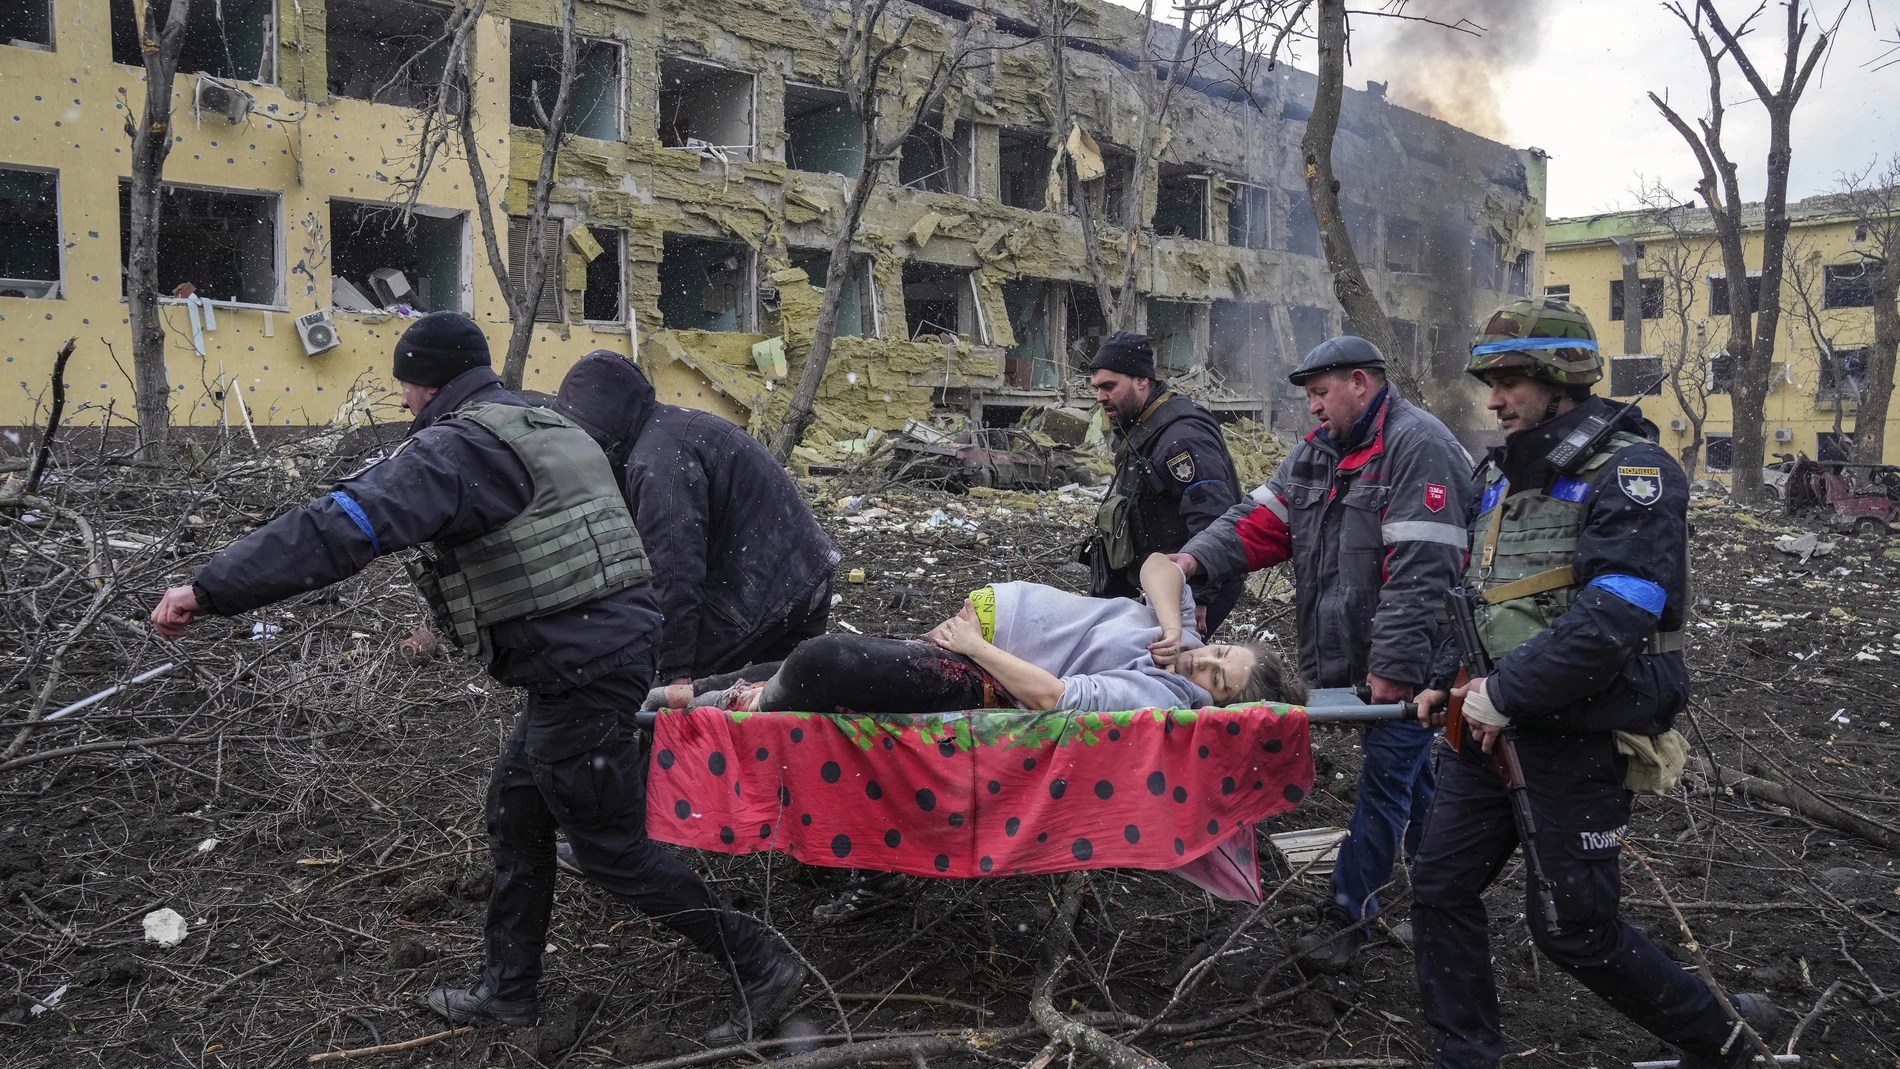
(1446, 72)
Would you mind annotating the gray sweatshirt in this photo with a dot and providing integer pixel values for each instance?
(1098, 647)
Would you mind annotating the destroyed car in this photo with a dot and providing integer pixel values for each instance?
(1851, 497)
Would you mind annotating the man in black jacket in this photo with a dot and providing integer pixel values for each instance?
(532, 561)
(1173, 477)
(741, 567)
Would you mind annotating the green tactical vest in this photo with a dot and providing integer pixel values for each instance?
(1522, 545)
(574, 543)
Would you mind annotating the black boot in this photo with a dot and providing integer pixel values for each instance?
(761, 999)
(461, 1005)
(1333, 943)
(1762, 1015)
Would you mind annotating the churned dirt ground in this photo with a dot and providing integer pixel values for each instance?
(309, 801)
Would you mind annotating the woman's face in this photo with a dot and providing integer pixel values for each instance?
(1220, 670)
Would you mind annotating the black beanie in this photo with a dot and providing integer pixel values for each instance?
(438, 347)
(1125, 353)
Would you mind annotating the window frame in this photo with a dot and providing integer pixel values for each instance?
(1653, 369)
(748, 151)
(1861, 283)
(59, 246)
(281, 302)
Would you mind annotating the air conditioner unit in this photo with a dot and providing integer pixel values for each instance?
(229, 101)
(1783, 434)
(39, 288)
(1678, 425)
(317, 332)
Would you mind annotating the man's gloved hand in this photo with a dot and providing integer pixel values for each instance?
(671, 696)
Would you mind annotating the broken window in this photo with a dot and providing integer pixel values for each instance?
(1031, 365)
(1517, 281)
(547, 303)
(1405, 334)
(1835, 446)
(1247, 216)
(604, 296)
(1106, 196)
(1178, 332)
(387, 51)
(1719, 296)
(857, 305)
(1558, 292)
(1084, 325)
(1484, 263)
(706, 108)
(379, 260)
(1629, 374)
(1310, 327)
(1403, 241)
(1843, 375)
(1181, 203)
(940, 299)
(1721, 373)
(1240, 342)
(222, 244)
(235, 39)
(1718, 452)
(534, 71)
(1848, 286)
(937, 163)
(1302, 228)
(1652, 298)
(706, 284)
(27, 23)
(29, 233)
(822, 133)
(1024, 158)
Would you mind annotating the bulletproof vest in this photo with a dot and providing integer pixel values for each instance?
(1523, 544)
(1126, 521)
(574, 543)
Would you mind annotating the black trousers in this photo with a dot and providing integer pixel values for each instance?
(866, 673)
(1581, 811)
(577, 762)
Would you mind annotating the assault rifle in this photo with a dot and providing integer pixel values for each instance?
(1476, 662)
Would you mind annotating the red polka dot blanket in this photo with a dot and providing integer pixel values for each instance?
(984, 793)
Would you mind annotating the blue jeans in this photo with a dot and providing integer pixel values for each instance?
(1395, 792)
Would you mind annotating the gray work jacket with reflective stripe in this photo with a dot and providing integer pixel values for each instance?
(1376, 535)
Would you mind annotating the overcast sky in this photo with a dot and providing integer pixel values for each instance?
(1572, 77)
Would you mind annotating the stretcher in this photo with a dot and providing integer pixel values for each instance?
(993, 792)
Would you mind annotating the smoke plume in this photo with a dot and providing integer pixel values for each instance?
(1434, 66)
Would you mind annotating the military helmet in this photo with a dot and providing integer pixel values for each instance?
(1338, 354)
(1544, 338)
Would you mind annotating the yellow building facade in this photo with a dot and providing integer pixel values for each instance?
(1826, 331)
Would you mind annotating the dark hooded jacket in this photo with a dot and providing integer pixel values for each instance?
(735, 549)
(450, 480)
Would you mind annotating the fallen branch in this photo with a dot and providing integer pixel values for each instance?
(1060, 1027)
(390, 1048)
(1812, 1015)
(1808, 804)
(32, 484)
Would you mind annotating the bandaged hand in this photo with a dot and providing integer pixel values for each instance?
(1478, 707)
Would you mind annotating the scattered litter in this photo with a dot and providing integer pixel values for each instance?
(49, 1002)
(1840, 717)
(847, 626)
(261, 631)
(208, 845)
(165, 927)
(855, 575)
(1804, 546)
(1317, 846)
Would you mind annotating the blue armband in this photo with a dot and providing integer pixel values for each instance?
(1641, 593)
(355, 512)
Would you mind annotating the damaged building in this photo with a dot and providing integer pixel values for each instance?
(699, 198)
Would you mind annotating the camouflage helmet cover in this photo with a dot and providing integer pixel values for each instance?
(1546, 338)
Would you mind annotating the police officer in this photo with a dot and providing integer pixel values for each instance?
(741, 567)
(1369, 509)
(531, 560)
(1583, 571)
(1173, 476)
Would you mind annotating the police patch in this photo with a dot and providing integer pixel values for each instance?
(1641, 485)
(1435, 497)
(1181, 466)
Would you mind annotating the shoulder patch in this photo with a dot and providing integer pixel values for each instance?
(1181, 466)
(1642, 485)
(1435, 497)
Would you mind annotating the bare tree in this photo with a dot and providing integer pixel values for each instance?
(1872, 200)
(1679, 248)
(1803, 291)
(870, 55)
(1750, 357)
(451, 117)
(151, 143)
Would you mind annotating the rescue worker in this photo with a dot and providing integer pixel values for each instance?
(741, 567)
(1583, 572)
(1173, 476)
(530, 560)
(1368, 508)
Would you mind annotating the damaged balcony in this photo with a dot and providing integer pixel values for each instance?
(379, 261)
(386, 51)
(707, 109)
(534, 74)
